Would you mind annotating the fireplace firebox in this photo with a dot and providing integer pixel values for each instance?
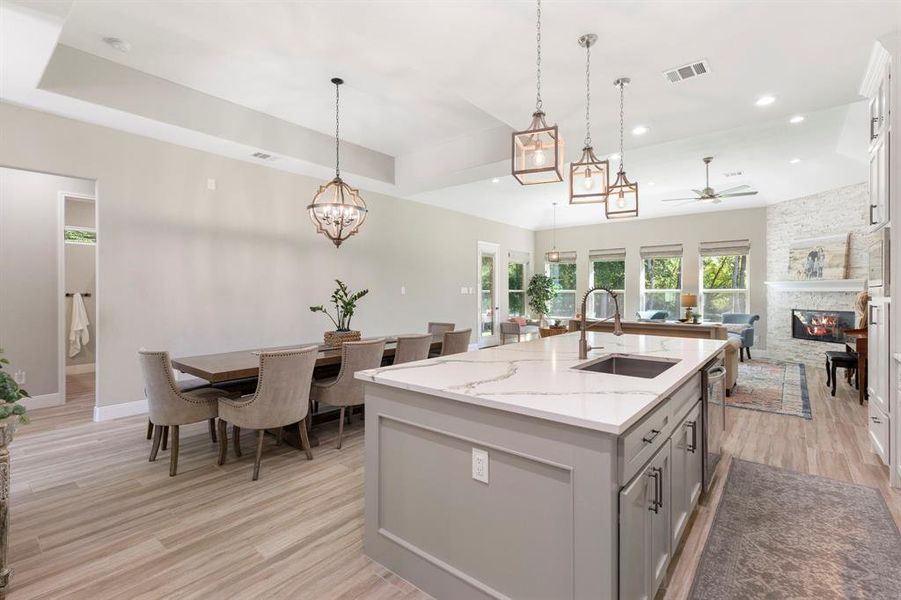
(821, 325)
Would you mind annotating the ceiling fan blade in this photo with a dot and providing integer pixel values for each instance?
(737, 188)
(679, 199)
(699, 192)
(734, 195)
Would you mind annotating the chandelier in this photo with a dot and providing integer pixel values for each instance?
(337, 209)
(588, 176)
(538, 151)
(622, 196)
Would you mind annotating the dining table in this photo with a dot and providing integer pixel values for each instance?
(243, 367)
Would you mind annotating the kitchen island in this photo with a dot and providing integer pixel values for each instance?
(511, 472)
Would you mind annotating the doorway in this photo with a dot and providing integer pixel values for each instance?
(489, 310)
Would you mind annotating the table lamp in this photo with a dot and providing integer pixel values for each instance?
(689, 301)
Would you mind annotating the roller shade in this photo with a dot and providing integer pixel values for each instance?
(663, 251)
(515, 256)
(568, 256)
(609, 254)
(724, 248)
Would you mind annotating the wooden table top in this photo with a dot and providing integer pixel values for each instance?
(241, 364)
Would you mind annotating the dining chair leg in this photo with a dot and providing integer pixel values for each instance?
(173, 454)
(165, 436)
(259, 456)
(278, 437)
(149, 429)
(748, 352)
(236, 435)
(304, 439)
(155, 447)
(833, 378)
(741, 354)
(223, 442)
(212, 423)
(828, 376)
(340, 427)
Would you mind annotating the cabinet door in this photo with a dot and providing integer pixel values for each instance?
(877, 356)
(636, 501)
(879, 180)
(686, 471)
(644, 529)
(661, 530)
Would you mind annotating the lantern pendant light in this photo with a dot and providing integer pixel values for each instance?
(622, 196)
(554, 255)
(337, 209)
(588, 176)
(538, 151)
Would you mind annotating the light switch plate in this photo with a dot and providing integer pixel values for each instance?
(480, 465)
(211, 184)
(403, 290)
(462, 290)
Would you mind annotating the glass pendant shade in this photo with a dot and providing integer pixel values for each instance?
(622, 198)
(538, 153)
(552, 257)
(337, 211)
(588, 179)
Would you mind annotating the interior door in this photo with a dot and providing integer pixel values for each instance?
(488, 294)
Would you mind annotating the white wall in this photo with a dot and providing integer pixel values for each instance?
(688, 230)
(30, 240)
(196, 271)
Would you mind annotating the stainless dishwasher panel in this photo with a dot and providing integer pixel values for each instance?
(714, 411)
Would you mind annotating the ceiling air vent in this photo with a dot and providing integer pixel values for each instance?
(264, 156)
(688, 71)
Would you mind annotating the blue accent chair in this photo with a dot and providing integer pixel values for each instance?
(745, 335)
(652, 315)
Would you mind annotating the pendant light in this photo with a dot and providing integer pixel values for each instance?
(588, 176)
(538, 151)
(337, 209)
(554, 255)
(622, 196)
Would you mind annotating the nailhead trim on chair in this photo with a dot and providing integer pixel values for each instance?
(173, 387)
(264, 356)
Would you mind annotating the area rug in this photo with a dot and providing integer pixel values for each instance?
(774, 387)
(782, 534)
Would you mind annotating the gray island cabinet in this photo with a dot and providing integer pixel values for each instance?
(522, 471)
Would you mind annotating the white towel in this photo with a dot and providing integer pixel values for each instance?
(78, 334)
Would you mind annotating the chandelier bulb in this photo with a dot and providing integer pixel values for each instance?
(538, 157)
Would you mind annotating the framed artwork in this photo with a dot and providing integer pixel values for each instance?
(819, 258)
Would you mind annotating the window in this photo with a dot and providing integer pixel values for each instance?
(608, 268)
(516, 287)
(724, 278)
(80, 235)
(564, 275)
(661, 279)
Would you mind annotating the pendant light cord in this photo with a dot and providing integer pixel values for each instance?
(622, 87)
(337, 139)
(538, 103)
(555, 226)
(588, 96)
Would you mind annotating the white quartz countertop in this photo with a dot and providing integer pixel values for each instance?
(536, 379)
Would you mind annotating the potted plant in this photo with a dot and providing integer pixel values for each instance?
(11, 413)
(345, 304)
(542, 289)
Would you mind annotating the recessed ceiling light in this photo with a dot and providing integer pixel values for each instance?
(117, 44)
(765, 100)
(495, 179)
(639, 130)
(794, 161)
(796, 119)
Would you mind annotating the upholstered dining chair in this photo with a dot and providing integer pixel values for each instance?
(282, 398)
(171, 407)
(185, 385)
(345, 390)
(435, 327)
(412, 347)
(455, 342)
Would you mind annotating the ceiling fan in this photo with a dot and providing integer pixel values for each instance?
(709, 195)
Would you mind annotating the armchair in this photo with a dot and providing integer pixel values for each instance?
(518, 327)
(652, 315)
(741, 327)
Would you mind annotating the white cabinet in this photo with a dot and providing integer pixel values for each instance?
(686, 471)
(645, 548)
(879, 432)
(878, 354)
(880, 180)
(880, 133)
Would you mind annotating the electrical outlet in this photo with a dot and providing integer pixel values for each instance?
(470, 291)
(403, 290)
(19, 377)
(480, 465)
(462, 290)
(211, 184)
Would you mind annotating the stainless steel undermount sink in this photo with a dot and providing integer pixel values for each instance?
(628, 365)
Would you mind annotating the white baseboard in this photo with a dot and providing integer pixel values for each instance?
(79, 369)
(43, 401)
(117, 411)
(473, 347)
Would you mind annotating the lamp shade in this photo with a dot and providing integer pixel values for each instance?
(622, 198)
(538, 153)
(689, 300)
(588, 179)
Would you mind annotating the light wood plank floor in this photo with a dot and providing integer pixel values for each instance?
(91, 518)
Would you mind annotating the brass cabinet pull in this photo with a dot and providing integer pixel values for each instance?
(694, 436)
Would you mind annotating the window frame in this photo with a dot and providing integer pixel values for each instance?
(621, 293)
(574, 292)
(677, 291)
(522, 292)
(702, 289)
(92, 230)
